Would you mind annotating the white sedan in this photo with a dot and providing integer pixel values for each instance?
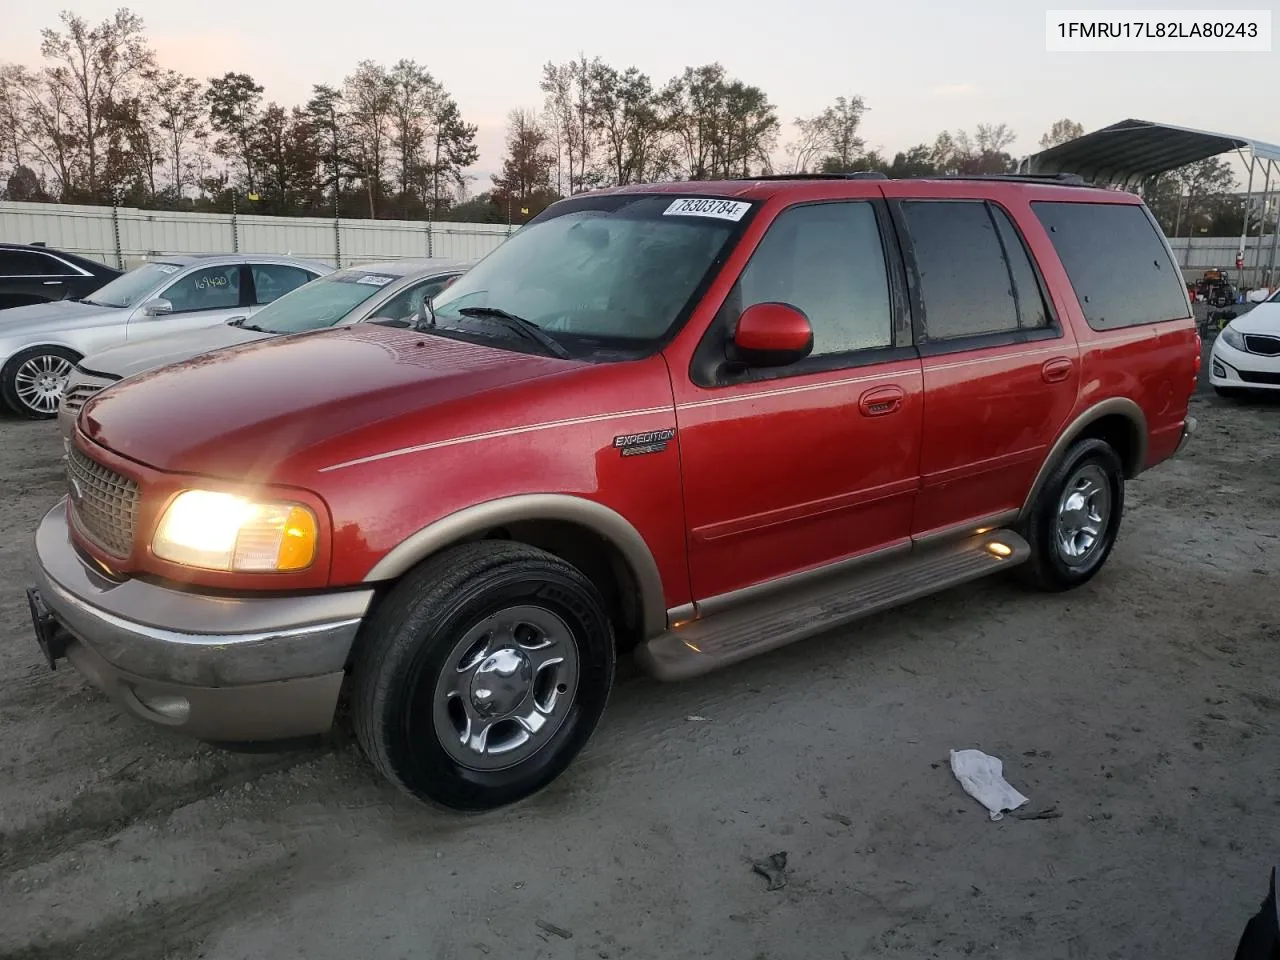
(1246, 354)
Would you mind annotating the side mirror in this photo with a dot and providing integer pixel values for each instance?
(158, 307)
(772, 335)
(236, 321)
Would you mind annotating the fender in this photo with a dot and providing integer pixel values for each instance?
(1116, 405)
(596, 517)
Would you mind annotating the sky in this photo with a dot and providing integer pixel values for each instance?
(920, 66)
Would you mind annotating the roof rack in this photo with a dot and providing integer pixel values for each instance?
(857, 175)
(1065, 179)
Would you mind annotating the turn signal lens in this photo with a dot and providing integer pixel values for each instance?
(222, 531)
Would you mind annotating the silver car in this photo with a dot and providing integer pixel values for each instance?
(41, 343)
(395, 291)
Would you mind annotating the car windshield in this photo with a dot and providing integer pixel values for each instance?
(615, 271)
(1275, 297)
(134, 286)
(322, 302)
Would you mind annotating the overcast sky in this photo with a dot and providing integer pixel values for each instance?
(921, 66)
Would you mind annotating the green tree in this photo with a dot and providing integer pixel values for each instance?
(180, 116)
(1061, 132)
(627, 114)
(524, 188)
(234, 99)
(370, 99)
(722, 127)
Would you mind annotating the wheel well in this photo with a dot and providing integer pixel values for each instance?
(599, 561)
(1121, 434)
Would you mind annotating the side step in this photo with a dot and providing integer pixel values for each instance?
(785, 617)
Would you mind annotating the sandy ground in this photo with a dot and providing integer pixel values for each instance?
(1144, 707)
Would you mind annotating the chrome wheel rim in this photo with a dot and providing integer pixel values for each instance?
(1084, 510)
(40, 380)
(506, 688)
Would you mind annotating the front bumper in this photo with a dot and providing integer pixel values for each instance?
(1237, 369)
(215, 667)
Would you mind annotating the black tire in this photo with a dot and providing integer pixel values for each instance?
(1049, 568)
(404, 646)
(9, 385)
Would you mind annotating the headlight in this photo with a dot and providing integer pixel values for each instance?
(221, 531)
(1232, 337)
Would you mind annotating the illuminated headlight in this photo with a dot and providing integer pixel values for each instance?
(1232, 337)
(221, 531)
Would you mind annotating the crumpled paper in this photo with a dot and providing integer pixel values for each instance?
(982, 777)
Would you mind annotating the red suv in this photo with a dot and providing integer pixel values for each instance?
(694, 420)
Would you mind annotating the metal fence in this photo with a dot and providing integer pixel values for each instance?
(1198, 254)
(126, 237)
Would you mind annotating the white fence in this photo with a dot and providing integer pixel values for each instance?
(125, 237)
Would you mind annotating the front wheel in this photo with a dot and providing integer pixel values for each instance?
(1075, 518)
(482, 674)
(31, 382)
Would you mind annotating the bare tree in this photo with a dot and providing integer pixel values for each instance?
(569, 120)
(94, 69)
(370, 103)
(994, 138)
(180, 115)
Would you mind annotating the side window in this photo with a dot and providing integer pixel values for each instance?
(827, 260)
(964, 281)
(271, 281)
(1032, 312)
(405, 304)
(1116, 261)
(25, 263)
(208, 288)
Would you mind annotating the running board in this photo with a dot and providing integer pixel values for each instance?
(782, 618)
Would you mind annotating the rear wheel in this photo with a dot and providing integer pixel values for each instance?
(31, 383)
(482, 674)
(1075, 518)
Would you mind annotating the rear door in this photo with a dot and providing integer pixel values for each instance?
(271, 281)
(1001, 370)
(29, 276)
(201, 296)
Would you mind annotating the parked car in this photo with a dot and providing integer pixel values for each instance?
(700, 421)
(32, 273)
(391, 291)
(41, 344)
(1246, 354)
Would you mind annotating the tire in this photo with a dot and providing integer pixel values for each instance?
(414, 706)
(28, 380)
(1055, 565)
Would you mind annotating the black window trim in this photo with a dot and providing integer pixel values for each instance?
(707, 365)
(933, 348)
(253, 283)
(247, 294)
(78, 273)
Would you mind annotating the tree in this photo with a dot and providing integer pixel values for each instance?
(984, 152)
(370, 105)
(525, 181)
(1199, 183)
(24, 184)
(723, 128)
(179, 103)
(915, 162)
(829, 141)
(627, 114)
(452, 146)
(567, 88)
(1061, 132)
(328, 123)
(413, 94)
(233, 112)
(95, 69)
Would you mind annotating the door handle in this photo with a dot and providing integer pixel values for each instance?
(1056, 370)
(880, 401)
(52, 283)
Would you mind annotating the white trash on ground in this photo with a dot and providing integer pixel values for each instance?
(982, 777)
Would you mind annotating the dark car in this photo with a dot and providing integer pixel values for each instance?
(30, 273)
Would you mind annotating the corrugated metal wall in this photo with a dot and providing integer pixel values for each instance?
(1198, 254)
(127, 237)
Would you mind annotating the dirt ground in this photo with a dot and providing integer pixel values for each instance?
(1144, 707)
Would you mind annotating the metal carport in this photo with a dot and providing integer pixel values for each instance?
(1134, 152)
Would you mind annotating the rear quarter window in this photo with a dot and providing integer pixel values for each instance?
(1117, 262)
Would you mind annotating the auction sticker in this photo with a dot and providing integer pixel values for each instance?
(706, 207)
(375, 279)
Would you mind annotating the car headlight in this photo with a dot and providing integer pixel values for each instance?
(222, 531)
(1232, 337)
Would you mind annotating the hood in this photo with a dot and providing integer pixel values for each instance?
(1264, 318)
(264, 410)
(131, 358)
(57, 315)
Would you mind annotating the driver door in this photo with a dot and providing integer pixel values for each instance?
(202, 296)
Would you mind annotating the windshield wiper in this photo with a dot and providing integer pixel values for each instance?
(519, 324)
(254, 327)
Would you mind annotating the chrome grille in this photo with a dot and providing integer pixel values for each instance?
(1264, 346)
(77, 395)
(104, 502)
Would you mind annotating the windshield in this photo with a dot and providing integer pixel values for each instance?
(322, 302)
(616, 270)
(133, 287)
(1274, 298)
